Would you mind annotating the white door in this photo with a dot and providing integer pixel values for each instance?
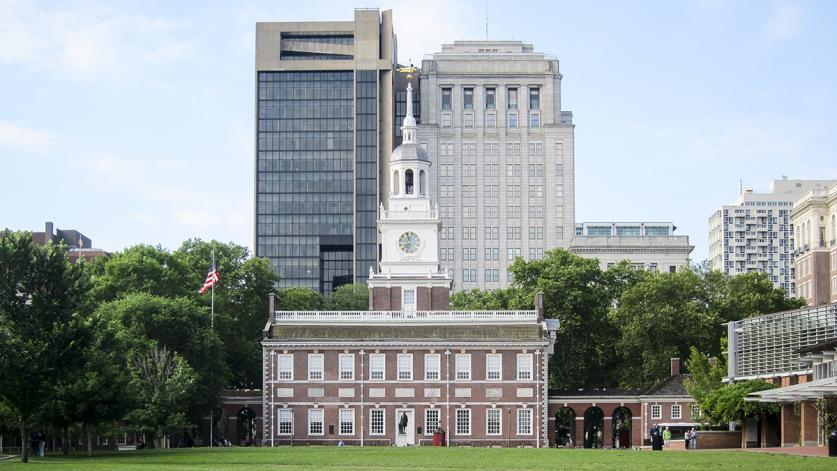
(405, 427)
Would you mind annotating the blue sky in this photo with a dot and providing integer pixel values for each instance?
(133, 121)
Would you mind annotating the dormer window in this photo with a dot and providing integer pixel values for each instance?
(408, 182)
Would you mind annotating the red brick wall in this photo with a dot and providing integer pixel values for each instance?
(440, 298)
(791, 423)
(808, 425)
(712, 440)
(608, 408)
(423, 301)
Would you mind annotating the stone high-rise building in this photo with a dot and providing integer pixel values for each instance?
(502, 151)
(814, 218)
(324, 122)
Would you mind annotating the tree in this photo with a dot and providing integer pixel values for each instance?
(704, 376)
(299, 299)
(163, 383)
(752, 294)
(353, 297)
(179, 325)
(575, 291)
(141, 269)
(41, 334)
(728, 404)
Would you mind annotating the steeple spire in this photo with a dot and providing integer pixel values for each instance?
(408, 128)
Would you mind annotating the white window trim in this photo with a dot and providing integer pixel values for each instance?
(530, 366)
(340, 422)
(398, 366)
(383, 422)
(279, 367)
(456, 366)
(679, 409)
(456, 423)
(279, 422)
(322, 363)
(427, 430)
(383, 367)
(322, 422)
(659, 409)
(500, 430)
(500, 370)
(531, 420)
(340, 366)
(414, 306)
(438, 365)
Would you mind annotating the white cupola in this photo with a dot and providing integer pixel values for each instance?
(409, 167)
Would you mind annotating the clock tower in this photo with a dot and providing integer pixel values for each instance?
(409, 278)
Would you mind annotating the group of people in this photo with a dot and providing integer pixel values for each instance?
(690, 437)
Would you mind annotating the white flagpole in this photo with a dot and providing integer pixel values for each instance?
(212, 327)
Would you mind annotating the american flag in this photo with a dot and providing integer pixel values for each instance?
(212, 278)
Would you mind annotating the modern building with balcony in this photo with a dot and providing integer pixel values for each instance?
(755, 233)
(814, 219)
(648, 246)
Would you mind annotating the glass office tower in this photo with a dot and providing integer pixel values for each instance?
(319, 110)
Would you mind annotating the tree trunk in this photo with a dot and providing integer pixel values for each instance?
(65, 441)
(89, 441)
(24, 451)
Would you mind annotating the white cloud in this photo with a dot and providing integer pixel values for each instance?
(784, 22)
(85, 41)
(15, 136)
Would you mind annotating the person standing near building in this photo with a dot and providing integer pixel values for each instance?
(666, 437)
(693, 438)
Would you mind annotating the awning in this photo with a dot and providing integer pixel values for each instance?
(798, 392)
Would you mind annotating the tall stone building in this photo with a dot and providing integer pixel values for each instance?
(324, 122)
(814, 218)
(755, 233)
(503, 153)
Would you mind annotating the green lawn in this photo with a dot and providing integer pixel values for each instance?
(425, 459)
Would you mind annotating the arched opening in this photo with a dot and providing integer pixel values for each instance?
(833, 234)
(565, 427)
(408, 182)
(622, 427)
(593, 428)
(246, 427)
(422, 182)
(396, 182)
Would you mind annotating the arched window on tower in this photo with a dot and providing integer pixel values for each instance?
(396, 183)
(833, 228)
(408, 182)
(422, 182)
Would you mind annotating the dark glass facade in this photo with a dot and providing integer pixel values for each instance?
(400, 81)
(366, 173)
(305, 176)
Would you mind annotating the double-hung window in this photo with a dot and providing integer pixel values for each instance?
(494, 366)
(656, 411)
(376, 422)
(676, 411)
(315, 366)
(446, 98)
(534, 98)
(468, 98)
(432, 363)
(377, 365)
(490, 98)
(511, 98)
(347, 421)
(315, 422)
(347, 367)
(463, 366)
(285, 367)
(431, 421)
(285, 422)
(524, 421)
(405, 366)
(493, 421)
(463, 421)
(524, 366)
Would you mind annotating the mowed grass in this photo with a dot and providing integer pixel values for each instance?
(424, 458)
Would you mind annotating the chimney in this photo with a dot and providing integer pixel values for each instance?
(539, 307)
(48, 232)
(675, 366)
(271, 302)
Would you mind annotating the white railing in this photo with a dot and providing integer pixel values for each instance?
(328, 317)
(394, 214)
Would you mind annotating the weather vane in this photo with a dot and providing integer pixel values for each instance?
(408, 70)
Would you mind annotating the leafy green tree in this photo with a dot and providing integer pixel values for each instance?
(727, 404)
(704, 376)
(752, 294)
(179, 325)
(576, 292)
(353, 297)
(141, 269)
(477, 299)
(42, 338)
(163, 383)
(299, 299)
(241, 302)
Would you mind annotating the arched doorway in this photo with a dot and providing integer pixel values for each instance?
(565, 427)
(246, 427)
(593, 428)
(622, 418)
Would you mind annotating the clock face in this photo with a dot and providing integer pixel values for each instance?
(409, 242)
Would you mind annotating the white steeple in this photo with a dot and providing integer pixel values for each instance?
(408, 128)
